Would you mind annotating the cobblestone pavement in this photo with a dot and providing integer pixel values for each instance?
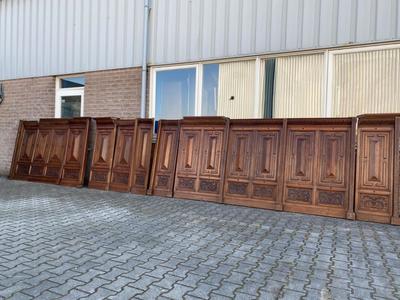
(68, 243)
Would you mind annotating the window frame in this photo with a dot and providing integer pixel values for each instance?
(198, 86)
(61, 92)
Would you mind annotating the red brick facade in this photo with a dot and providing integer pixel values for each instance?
(114, 93)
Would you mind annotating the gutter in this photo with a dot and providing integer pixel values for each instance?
(144, 58)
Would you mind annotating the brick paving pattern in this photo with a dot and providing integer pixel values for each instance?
(66, 243)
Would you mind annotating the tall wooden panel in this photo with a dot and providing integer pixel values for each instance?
(23, 151)
(201, 158)
(375, 168)
(74, 166)
(254, 169)
(103, 153)
(164, 161)
(319, 167)
(48, 156)
(396, 178)
(142, 156)
(123, 156)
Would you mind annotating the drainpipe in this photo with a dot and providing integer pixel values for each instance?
(144, 59)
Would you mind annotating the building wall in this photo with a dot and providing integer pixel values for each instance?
(52, 37)
(25, 99)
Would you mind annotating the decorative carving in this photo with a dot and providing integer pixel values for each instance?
(53, 172)
(299, 195)
(331, 198)
(140, 179)
(162, 181)
(122, 178)
(71, 174)
(100, 176)
(263, 191)
(374, 202)
(209, 186)
(23, 170)
(186, 183)
(238, 188)
(37, 170)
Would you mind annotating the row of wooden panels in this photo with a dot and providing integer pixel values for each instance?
(346, 168)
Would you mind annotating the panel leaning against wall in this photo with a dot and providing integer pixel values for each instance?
(164, 160)
(201, 159)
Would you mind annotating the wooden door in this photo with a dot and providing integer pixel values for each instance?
(100, 172)
(74, 166)
(201, 158)
(254, 169)
(122, 164)
(375, 166)
(319, 169)
(142, 156)
(164, 162)
(24, 149)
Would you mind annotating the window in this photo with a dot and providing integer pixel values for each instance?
(184, 91)
(69, 97)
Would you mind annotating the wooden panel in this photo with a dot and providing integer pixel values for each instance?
(164, 162)
(48, 156)
(73, 171)
(254, 163)
(123, 155)
(103, 153)
(375, 168)
(142, 156)
(319, 167)
(201, 158)
(396, 178)
(24, 150)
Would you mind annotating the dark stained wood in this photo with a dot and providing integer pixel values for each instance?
(254, 169)
(49, 152)
(201, 158)
(103, 153)
(73, 171)
(317, 166)
(123, 155)
(23, 151)
(164, 159)
(142, 156)
(375, 168)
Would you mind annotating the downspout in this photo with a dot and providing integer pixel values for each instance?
(144, 58)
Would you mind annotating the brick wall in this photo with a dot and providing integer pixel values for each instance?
(27, 99)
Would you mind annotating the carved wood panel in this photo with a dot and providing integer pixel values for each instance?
(123, 155)
(142, 156)
(48, 157)
(73, 171)
(254, 163)
(319, 168)
(100, 172)
(201, 158)
(164, 162)
(375, 168)
(24, 149)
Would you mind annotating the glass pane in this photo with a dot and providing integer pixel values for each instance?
(269, 87)
(72, 82)
(70, 106)
(175, 93)
(210, 90)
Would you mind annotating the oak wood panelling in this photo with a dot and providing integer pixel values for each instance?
(122, 163)
(142, 156)
(103, 153)
(24, 149)
(201, 158)
(74, 166)
(377, 170)
(254, 166)
(165, 156)
(49, 151)
(319, 167)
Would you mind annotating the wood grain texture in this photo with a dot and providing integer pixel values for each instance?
(103, 153)
(165, 157)
(318, 167)
(255, 163)
(201, 158)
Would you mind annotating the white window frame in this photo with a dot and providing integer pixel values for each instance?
(61, 92)
(198, 86)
